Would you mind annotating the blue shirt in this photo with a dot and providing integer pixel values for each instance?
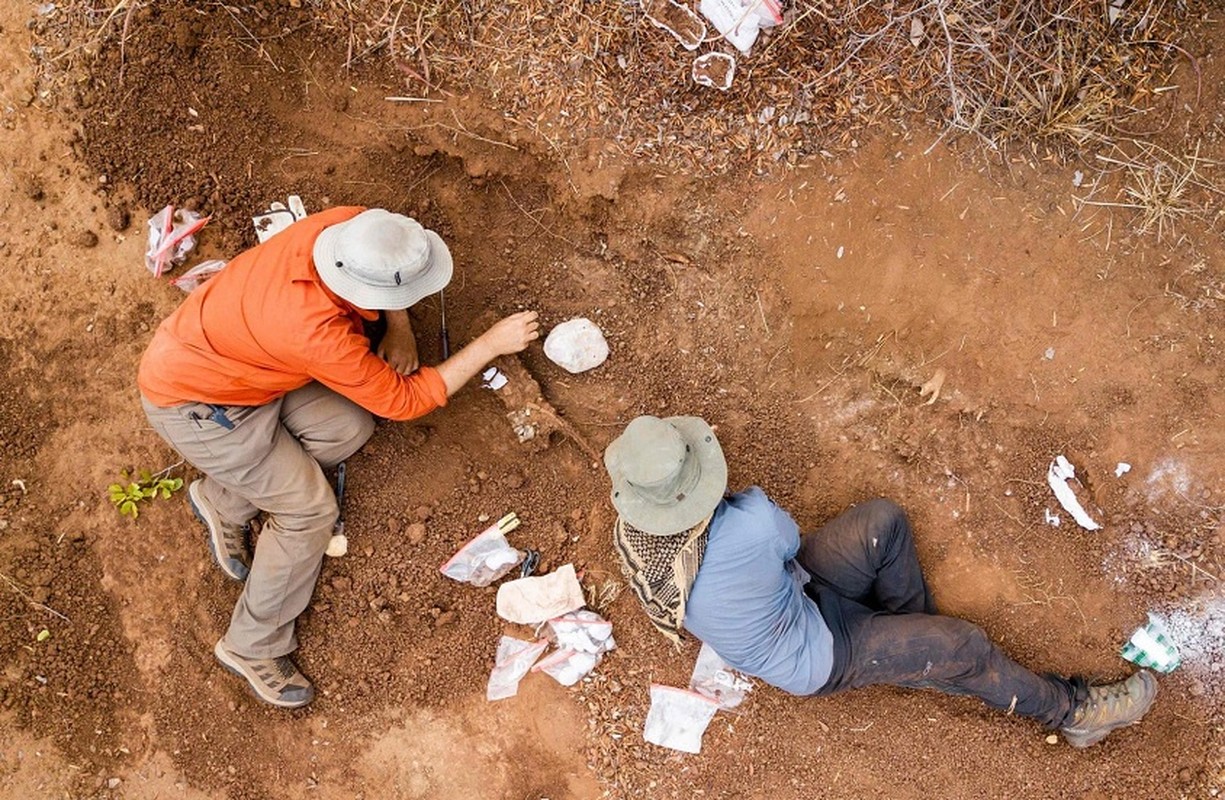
(747, 606)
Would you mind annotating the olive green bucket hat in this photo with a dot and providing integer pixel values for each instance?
(667, 474)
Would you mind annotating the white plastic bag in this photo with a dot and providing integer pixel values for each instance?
(171, 238)
(677, 19)
(582, 631)
(716, 70)
(678, 718)
(515, 658)
(740, 20)
(568, 667)
(487, 557)
(1059, 475)
(198, 274)
(713, 678)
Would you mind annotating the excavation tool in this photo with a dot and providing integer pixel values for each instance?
(339, 544)
(530, 561)
(446, 339)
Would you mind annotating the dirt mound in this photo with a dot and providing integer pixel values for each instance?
(801, 316)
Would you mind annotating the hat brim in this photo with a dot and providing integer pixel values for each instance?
(434, 278)
(666, 520)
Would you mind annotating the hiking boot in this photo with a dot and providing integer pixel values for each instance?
(275, 680)
(1114, 705)
(228, 542)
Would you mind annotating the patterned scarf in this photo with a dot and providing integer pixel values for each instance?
(661, 570)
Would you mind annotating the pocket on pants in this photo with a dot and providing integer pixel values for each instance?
(210, 434)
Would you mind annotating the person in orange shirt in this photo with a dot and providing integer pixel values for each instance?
(264, 377)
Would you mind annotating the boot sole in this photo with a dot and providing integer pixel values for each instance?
(216, 543)
(233, 665)
(1081, 741)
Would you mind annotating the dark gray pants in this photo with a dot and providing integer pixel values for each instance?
(871, 592)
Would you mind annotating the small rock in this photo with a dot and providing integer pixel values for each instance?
(415, 533)
(393, 525)
(1196, 689)
(423, 513)
(119, 218)
(445, 618)
(514, 480)
(84, 239)
(1052, 739)
(113, 783)
(576, 345)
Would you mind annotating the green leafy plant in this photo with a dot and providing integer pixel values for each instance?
(128, 495)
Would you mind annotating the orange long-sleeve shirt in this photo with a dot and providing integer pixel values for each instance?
(267, 325)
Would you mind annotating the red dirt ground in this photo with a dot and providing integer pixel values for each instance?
(801, 314)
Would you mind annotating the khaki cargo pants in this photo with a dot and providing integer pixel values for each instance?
(271, 460)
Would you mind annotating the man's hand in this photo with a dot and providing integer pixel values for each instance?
(511, 334)
(398, 346)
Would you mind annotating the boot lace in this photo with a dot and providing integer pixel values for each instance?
(285, 667)
(1103, 699)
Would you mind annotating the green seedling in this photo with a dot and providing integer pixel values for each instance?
(128, 496)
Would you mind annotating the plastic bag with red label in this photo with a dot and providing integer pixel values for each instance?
(582, 638)
(515, 658)
(171, 237)
(713, 678)
(740, 20)
(487, 557)
(678, 718)
(198, 274)
(567, 667)
(584, 631)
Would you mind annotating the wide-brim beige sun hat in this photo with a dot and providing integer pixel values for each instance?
(667, 474)
(380, 261)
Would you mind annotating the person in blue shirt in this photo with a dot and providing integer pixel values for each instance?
(839, 608)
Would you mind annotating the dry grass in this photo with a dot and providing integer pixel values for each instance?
(587, 77)
(1162, 188)
(601, 594)
(576, 71)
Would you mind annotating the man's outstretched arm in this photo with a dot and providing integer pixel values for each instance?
(507, 336)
